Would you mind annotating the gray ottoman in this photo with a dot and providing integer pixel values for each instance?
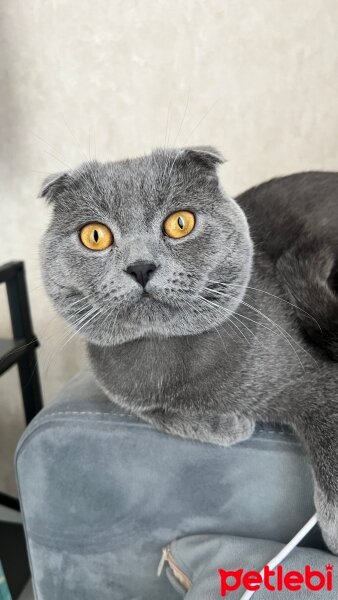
(102, 493)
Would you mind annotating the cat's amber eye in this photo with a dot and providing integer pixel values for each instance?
(96, 236)
(179, 224)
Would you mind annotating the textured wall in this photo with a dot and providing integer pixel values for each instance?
(114, 78)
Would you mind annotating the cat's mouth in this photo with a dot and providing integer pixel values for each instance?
(151, 303)
(148, 298)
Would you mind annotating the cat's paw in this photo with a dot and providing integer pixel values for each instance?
(229, 429)
(223, 430)
(327, 511)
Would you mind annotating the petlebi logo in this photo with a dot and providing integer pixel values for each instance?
(277, 580)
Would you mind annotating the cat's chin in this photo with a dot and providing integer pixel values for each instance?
(144, 322)
(150, 300)
(127, 335)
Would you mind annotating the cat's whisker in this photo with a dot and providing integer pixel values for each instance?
(47, 361)
(74, 323)
(166, 137)
(80, 300)
(175, 141)
(228, 313)
(217, 292)
(239, 316)
(87, 321)
(227, 321)
(96, 180)
(83, 321)
(199, 122)
(45, 338)
(173, 164)
(212, 325)
(38, 137)
(166, 167)
(58, 159)
(58, 346)
(41, 172)
(183, 119)
(107, 317)
(282, 332)
(57, 316)
(248, 287)
(75, 139)
(113, 328)
(80, 310)
(82, 318)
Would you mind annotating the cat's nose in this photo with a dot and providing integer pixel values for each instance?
(141, 272)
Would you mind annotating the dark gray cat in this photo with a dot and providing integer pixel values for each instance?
(153, 263)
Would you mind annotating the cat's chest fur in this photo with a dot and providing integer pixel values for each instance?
(243, 364)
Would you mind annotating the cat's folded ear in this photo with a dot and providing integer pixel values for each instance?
(206, 156)
(54, 185)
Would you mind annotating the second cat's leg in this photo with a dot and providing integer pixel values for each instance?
(224, 429)
(319, 432)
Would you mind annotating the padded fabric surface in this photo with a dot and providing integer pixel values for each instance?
(102, 493)
(200, 557)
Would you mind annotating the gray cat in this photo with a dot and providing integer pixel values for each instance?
(203, 315)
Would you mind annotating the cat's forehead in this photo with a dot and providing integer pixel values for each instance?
(137, 178)
(137, 186)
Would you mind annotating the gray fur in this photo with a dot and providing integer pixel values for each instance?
(217, 343)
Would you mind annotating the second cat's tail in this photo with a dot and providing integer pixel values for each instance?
(309, 274)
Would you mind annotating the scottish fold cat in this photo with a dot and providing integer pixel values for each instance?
(203, 314)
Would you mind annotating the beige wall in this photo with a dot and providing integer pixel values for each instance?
(257, 78)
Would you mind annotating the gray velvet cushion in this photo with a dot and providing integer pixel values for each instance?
(200, 556)
(102, 493)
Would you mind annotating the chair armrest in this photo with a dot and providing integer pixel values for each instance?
(102, 493)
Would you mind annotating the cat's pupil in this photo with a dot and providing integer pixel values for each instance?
(96, 236)
(180, 222)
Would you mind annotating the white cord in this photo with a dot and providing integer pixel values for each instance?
(285, 551)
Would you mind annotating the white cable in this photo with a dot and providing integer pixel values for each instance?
(285, 551)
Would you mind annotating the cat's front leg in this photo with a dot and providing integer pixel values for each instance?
(319, 433)
(224, 429)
